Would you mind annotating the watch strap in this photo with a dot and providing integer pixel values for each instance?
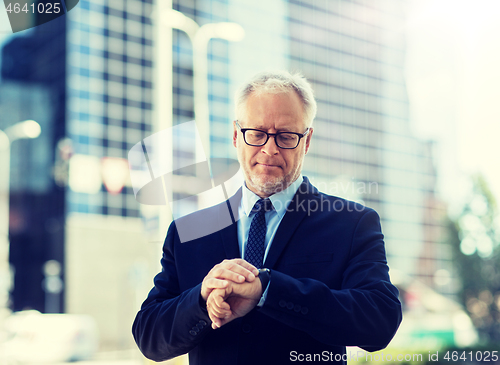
(265, 278)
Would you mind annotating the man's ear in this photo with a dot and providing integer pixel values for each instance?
(235, 134)
(308, 138)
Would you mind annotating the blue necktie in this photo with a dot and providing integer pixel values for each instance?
(255, 248)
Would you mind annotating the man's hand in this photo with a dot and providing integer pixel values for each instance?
(233, 301)
(221, 275)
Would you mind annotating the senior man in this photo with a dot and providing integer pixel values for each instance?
(299, 275)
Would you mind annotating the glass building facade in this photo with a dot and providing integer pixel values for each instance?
(109, 64)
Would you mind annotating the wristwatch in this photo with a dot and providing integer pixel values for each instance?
(265, 277)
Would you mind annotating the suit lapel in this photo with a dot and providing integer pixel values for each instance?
(229, 235)
(296, 212)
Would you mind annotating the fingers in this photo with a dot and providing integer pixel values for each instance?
(234, 301)
(220, 303)
(209, 284)
(217, 308)
(216, 321)
(217, 304)
(224, 273)
(236, 270)
(213, 283)
(251, 271)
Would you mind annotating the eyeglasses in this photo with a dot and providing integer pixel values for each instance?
(257, 138)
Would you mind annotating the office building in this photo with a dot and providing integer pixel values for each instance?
(33, 87)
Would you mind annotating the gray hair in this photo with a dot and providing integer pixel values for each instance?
(277, 82)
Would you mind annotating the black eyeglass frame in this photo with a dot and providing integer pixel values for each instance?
(275, 135)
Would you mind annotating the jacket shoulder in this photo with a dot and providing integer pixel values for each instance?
(207, 221)
(317, 201)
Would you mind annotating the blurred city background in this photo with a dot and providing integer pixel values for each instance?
(407, 123)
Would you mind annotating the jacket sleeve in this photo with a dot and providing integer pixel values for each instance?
(365, 312)
(170, 323)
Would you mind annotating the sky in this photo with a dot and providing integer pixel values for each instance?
(453, 78)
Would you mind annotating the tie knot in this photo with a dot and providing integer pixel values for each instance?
(264, 204)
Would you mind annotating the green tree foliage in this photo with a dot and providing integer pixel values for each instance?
(476, 237)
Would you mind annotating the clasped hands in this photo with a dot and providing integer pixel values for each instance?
(231, 290)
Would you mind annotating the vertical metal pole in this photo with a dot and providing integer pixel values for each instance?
(162, 101)
(201, 103)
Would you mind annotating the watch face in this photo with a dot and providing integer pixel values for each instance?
(263, 272)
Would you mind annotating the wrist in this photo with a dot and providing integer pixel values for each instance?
(265, 278)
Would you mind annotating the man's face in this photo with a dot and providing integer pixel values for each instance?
(269, 169)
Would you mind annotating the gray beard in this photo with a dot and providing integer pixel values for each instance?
(271, 185)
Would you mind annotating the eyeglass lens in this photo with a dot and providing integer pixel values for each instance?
(284, 140)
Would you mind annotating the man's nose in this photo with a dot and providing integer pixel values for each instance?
(270, 148)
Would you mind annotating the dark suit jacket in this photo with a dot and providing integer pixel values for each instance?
(329, 289)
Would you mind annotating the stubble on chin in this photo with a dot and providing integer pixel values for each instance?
(267, 185)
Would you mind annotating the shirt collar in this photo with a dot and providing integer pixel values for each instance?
(280, 200)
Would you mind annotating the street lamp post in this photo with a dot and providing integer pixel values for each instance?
(200, 37)
(22, 130)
